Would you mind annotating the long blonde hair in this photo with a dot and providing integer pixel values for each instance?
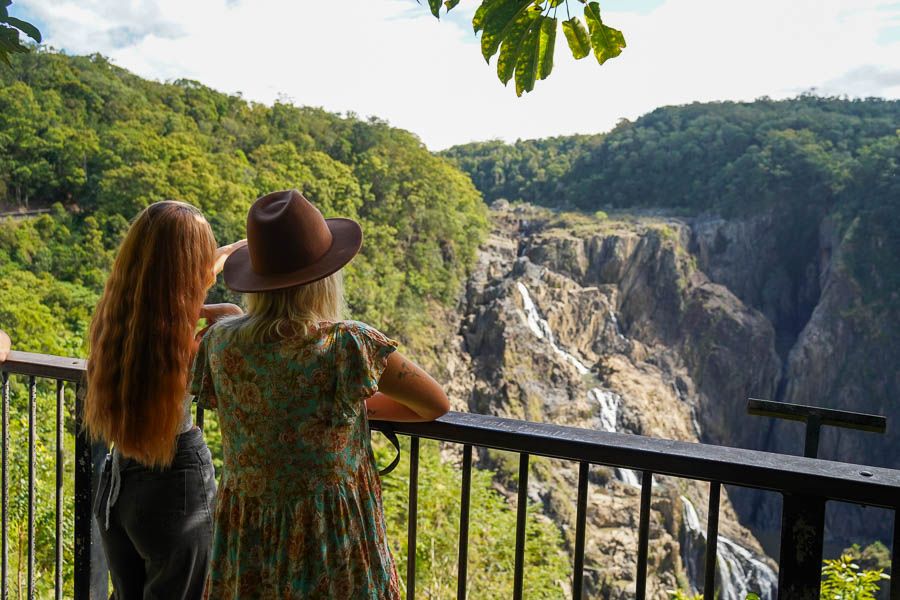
(292, 311)
(142, 333)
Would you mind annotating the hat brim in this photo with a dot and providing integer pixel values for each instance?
(347, 240)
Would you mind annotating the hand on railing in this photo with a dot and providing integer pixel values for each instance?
(4, 346)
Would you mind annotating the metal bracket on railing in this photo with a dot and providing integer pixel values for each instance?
(802, 515)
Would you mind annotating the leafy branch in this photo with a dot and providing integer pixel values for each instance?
(10, 27)
(524, 33)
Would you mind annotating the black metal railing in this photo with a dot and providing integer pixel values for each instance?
(789, 475)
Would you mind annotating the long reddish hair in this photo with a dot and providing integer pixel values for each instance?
(142, 333)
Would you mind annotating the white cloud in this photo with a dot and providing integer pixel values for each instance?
(391, 59)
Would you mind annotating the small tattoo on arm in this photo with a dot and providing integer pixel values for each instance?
(406, 371)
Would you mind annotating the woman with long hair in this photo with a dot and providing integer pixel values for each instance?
(155, 499)
(299, 511)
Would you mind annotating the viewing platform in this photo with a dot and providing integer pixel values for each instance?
(813, 480)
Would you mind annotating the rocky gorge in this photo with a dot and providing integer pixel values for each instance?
(657, 326)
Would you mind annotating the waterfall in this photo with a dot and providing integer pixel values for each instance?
(615, 322)
(608, 401)
(739, 569)
(541, 328)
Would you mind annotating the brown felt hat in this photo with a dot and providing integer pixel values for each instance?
(289, 243)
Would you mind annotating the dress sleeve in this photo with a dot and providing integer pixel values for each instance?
(361, 358)
(201, 380)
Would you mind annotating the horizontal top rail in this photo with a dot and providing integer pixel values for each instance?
(44, 365)
(828, 416)
(845, 482)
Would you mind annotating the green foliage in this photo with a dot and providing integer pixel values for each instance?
(606, 41)
(681, 595)
(842, 579)
(10, 27)
(524, 32)
(492, 529)
(99, 144)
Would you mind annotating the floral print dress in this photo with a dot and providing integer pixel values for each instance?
(299, 511)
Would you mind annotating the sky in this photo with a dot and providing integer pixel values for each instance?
(393, 60)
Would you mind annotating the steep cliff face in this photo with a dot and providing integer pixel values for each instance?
(833, 350)
(610, 325)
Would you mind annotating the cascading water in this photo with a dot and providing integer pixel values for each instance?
(609, 401)
(541, 328)
(609, 416)
(739, 570)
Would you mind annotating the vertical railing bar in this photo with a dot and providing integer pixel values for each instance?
(5, 485)
(413, 518)
(643, 536)
(521, 516)
(580, 526)
(32, 401)
(83, 470)
(464, 523)
(712, 541)
(60, 464)
(895, 557)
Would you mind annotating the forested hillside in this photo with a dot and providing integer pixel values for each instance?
(95, 144)
(803, 159)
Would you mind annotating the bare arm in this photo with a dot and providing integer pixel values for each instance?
(407, 393)
(222, 254)
(4, 345)
(384, 408)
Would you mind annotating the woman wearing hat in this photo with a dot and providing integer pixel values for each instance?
(155, 496)
(299, 512)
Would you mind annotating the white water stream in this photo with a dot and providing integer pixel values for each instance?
(739, 570)
(608, 401)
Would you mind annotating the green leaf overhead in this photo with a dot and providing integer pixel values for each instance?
(527, 65)
(435, 6)
(496, 21)
(524, 33)
(606, 41)
(10, 43)
(535, 60)
(577, 36)
(547, 43)
(513, 45)
(27, 28)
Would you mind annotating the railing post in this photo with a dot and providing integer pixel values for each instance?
(412, 526)
(712, 541)
(802, 535)
(83, 513)
(895, 556)
(580, 526)
(643, 535)
(803, 515)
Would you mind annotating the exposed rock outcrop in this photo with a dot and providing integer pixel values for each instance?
(609, 325)
(664, 327)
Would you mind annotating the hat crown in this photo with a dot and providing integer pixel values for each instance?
(285, 232)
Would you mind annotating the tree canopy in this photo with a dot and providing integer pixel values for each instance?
(524, 34)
